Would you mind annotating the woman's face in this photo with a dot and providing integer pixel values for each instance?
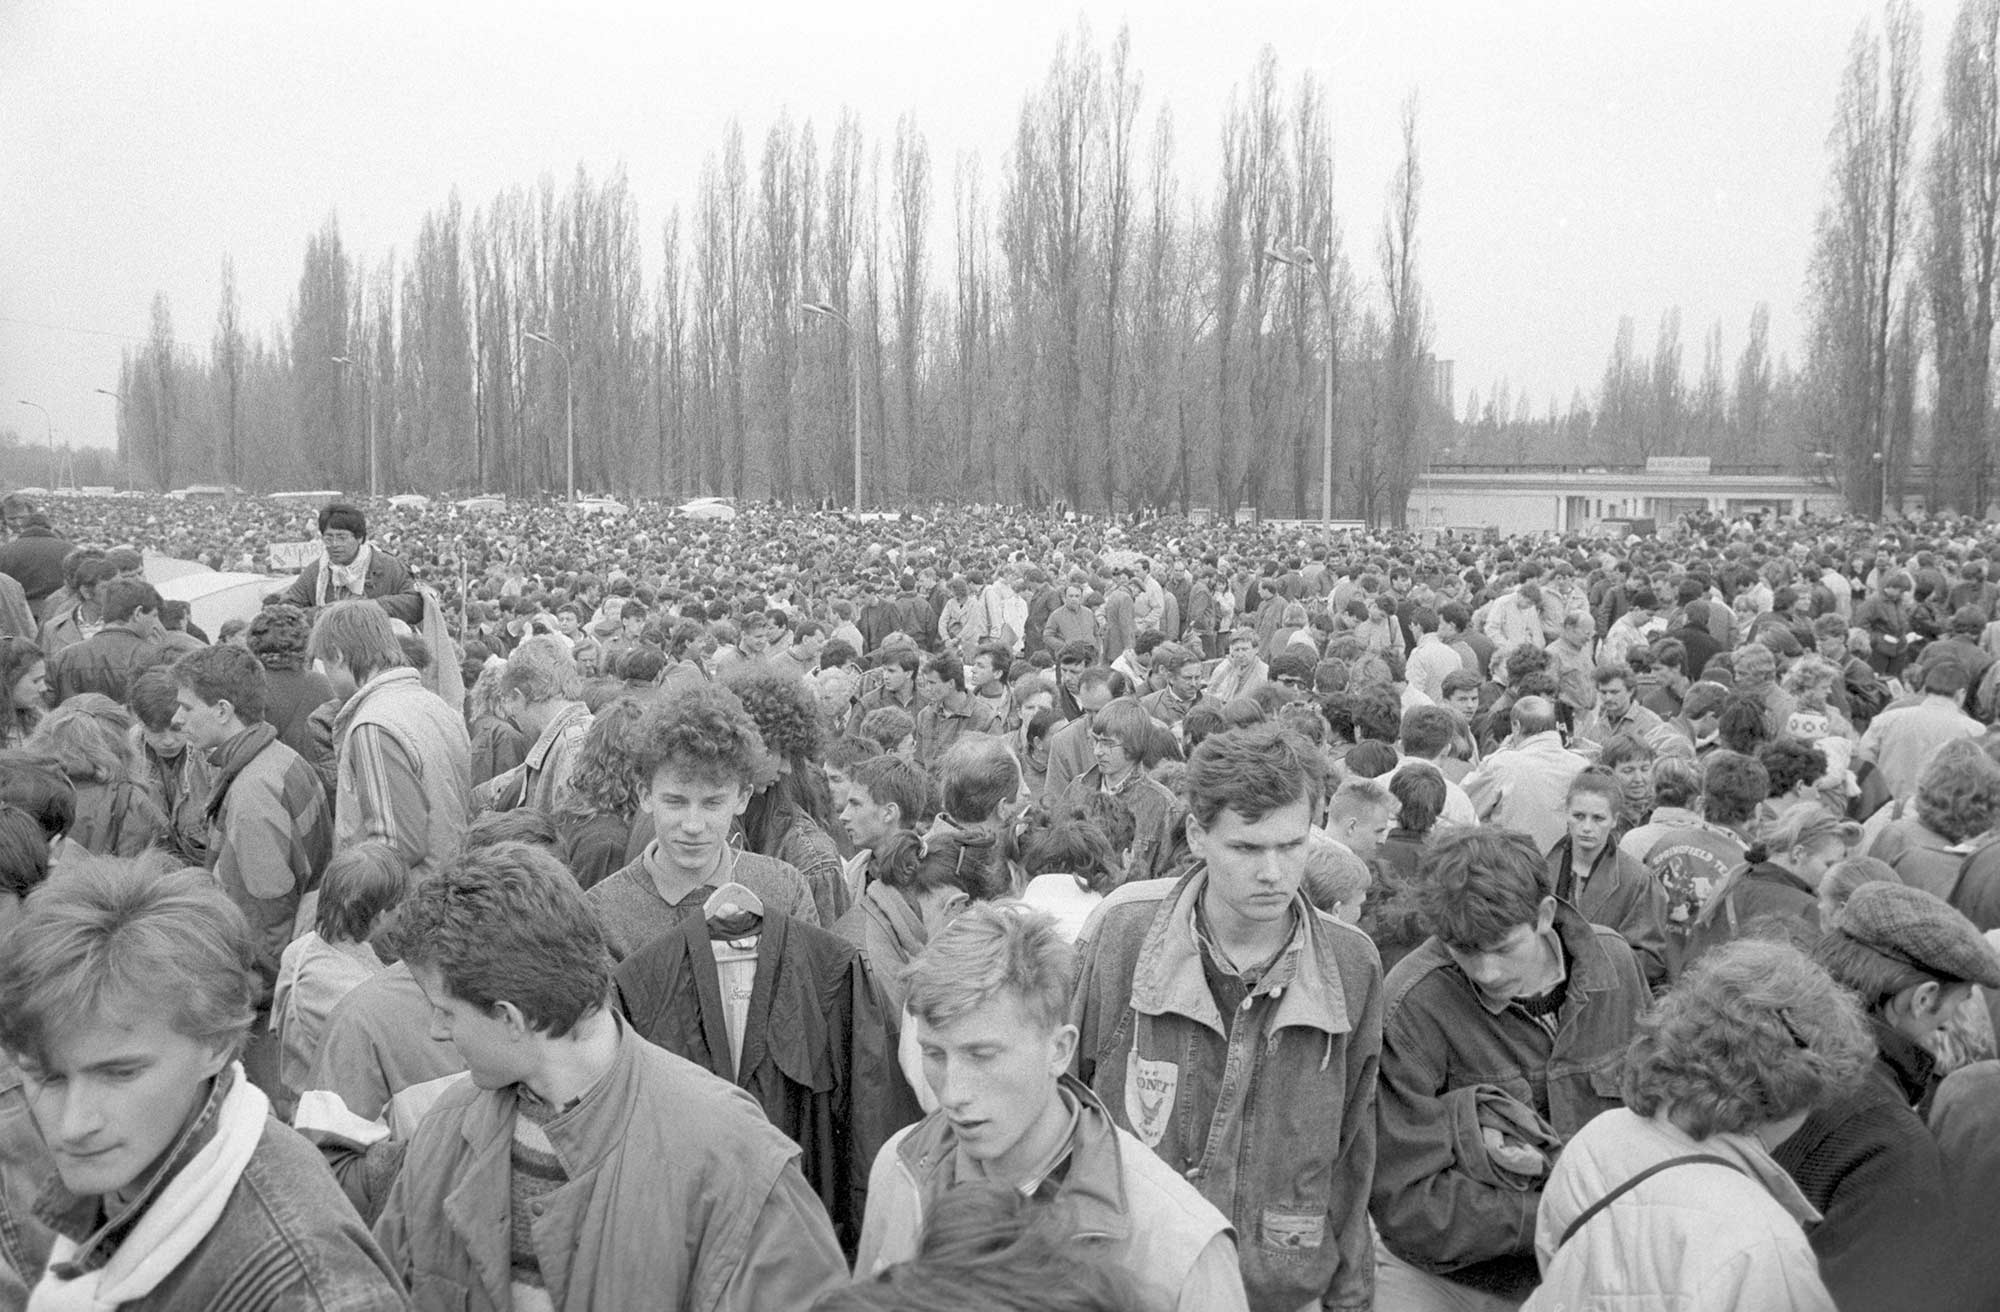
(31, 690)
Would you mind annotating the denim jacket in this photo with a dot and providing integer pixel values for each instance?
(1270, 1115)
(1440, 1034)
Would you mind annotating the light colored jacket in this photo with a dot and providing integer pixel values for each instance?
(1526, 787)
(400, 710)
(680, 1195)
(1127, 1206)
(1688, 1239)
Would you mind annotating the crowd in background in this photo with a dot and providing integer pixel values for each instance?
(993, 908)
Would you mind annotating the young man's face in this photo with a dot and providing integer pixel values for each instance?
(1072, 674)
(1110, 754)
(868, 822)
(341, 546)
(115, 1095)
(493, 1052)
(1615, 698)
(1364, 833)
(756, 641)
(994, 1070)
(895, 678)
(1187, 679)
(1465, 701)
(930, 688)
(1591, 817)
(202, 723)
(1254, 867)
(982, 673)
(1517, 965)
(691, 816)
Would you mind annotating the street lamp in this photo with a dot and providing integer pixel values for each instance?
(367, 421)
(46, 419)
(827, 310)
(569, 400)
(119, 397)
(1305, 261)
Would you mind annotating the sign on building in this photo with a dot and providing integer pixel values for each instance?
(1677, 465)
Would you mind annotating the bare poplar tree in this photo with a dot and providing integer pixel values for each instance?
(226, 358)
(1407, 330)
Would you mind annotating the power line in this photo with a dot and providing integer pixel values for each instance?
(67, 328)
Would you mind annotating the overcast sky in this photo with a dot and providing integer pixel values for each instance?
(1584, 160)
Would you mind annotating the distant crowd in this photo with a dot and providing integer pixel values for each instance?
(983, 908)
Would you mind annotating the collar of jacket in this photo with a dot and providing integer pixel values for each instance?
(398, 676)
(1906, 1063)
(572, 715)
(1167, 979)
(893, 912)
(1749, 1153)
(1548, 740)
(1588, 971)
(1770, 872)
(582, 1134)
(1093, 1190)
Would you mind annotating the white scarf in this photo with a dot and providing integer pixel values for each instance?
(350, 579)
(178, 1219)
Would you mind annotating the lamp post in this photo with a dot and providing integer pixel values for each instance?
(119, 397)
(826, 310)
(569, 402)
(367, 421)
(1304, 261)
(48, 420)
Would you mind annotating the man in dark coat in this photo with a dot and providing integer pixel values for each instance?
(1866, 1160)
(353, 567)
(34, 559)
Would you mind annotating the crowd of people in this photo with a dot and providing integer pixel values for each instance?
(996, 909)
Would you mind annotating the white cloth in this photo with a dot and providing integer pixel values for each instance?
(176, 1221)
(1063, 898)
(338, 582)
(735, 977)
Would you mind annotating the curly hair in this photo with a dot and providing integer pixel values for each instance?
(1754, 1033)
(1792, 761)
(277, 636)
(1958, 793)
(607, 777)
(783, 709)
(1810, 672)
(87, 738)
(703, 730)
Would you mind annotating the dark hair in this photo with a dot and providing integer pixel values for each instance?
(361, 883)
(1253, 772)
(343, 515)
(507, 923)
(1428, 730)
(226, 673)
(1790, 762)
(24, 852)
(1478, 884)
(154, 696)
(1420, 793)
(988, 1248)
(1069, 845)
(39, 790)
(890, 778)
(523, 824)
(1371, 759)
(1732, 785)
(122, 598)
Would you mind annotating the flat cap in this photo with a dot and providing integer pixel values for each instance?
(1922, 931)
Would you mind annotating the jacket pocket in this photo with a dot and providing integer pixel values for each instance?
(1292, 1230)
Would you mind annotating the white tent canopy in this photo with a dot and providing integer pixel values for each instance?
(213, 599)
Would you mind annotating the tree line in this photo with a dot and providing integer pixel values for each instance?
(1077, 325)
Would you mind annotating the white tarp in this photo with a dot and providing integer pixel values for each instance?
(213, 599)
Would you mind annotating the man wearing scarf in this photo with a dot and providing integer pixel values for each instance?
(270, 829)
(352, 567)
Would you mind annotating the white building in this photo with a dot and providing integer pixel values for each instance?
(1566, 498)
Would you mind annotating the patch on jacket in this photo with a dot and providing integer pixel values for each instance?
(1149, 1096)
(1288, 1230)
